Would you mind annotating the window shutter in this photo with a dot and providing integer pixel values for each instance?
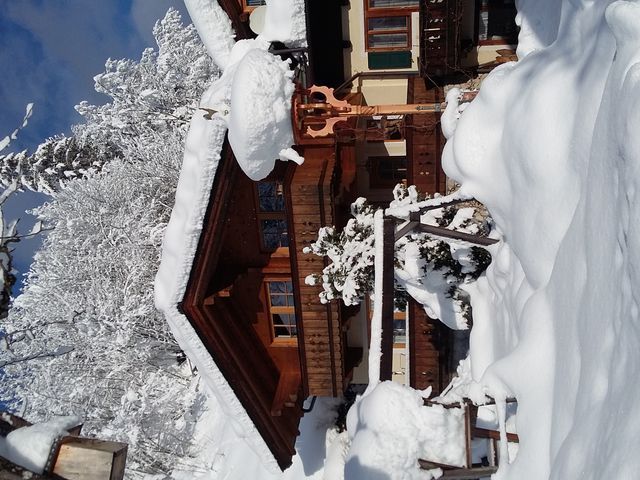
(389, 60)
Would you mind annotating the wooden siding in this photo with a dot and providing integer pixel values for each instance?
(425, 140)
(428, 350)
(428, 338)
(319, 334)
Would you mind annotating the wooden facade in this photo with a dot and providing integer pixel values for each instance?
(425, 140)
(312, 207)
(225, 302)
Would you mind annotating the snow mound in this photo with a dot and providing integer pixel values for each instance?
(550, 146)
(391, 429)
(260, 128)
(285, 22)
(214, 28)
(253, 95)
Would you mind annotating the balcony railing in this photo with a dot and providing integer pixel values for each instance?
(439, 37)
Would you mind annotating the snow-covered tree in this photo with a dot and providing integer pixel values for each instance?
(155, 94)
(55, 161)
(429, 268)
(9, 232)
(84, 337)
(91, 342)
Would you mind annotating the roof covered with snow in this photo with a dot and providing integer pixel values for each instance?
(202, 157)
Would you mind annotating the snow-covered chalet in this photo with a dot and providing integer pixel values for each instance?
(244, 291)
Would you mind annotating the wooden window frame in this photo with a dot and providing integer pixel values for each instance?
(280, 309)
(378, 12)
(375, 180)
(247, 8)
(261, 216)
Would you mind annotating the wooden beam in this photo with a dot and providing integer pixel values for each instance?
(451, 472)
(465, 237)
(389, 229)
(414, 224)
(468, 429)
(494, 434)
(408, 228)
(469, 473)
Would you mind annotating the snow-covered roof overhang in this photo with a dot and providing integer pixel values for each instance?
(201, 169)
(180, 246)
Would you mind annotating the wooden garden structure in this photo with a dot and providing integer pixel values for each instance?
(72, 456)
(471, 470)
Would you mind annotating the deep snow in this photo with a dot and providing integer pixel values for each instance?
(550, 146)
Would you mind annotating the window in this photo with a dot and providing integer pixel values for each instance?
(496, 22)
(387, 32)
(388, 24)
(271, 215)
(249, 5)
(385, 128)
(281, 309)
(386, 172)
(399, 327)
(393, 3)
(399, 323)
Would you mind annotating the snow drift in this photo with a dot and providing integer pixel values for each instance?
(550, 146)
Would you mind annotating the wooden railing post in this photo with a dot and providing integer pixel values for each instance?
(386, 360)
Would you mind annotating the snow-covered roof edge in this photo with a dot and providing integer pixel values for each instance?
(203, 149)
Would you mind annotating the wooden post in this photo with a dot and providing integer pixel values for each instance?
(386, 369)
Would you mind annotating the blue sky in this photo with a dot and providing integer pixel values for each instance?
(49, 52)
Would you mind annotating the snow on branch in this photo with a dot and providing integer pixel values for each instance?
(4, 143)
(432, 269)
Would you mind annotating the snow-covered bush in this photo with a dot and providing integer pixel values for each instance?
(349, 276)
(431, 269)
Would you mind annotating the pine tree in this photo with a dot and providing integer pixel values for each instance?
(56, 160)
